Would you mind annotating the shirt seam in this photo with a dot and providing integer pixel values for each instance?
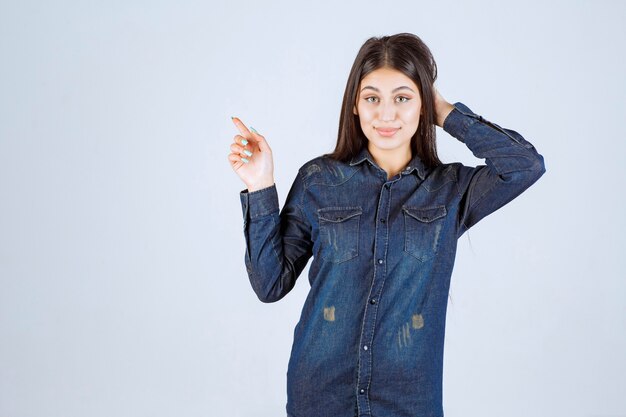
(478, 118)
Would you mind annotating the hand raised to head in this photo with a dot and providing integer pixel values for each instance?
(442, 108)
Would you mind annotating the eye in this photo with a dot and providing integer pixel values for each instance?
(406, 99)
(368, 99)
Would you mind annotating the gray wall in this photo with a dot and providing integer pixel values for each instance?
(123, 290)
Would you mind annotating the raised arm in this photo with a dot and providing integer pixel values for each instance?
(278, 245)
(512, 164)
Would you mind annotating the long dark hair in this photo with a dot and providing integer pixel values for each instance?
(408, 54)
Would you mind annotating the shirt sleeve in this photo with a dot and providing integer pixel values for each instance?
(512, 164)
(278, 244)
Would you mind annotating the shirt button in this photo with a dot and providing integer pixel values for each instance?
(365, 347)
(362, 391)
(373, 301)
(382, 220)
(380, 261)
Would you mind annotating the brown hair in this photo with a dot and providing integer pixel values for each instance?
(408, 54)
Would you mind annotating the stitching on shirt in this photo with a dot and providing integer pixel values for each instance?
(478, 118)
(361, 344)
(303, 217)
(450, 169)
(358, 367)
(458, 190)
(493, 185)
(378, 295)
(335, 185)
(532, 160)
(468, 122)
(274, 224)
(382, 286)
(447, 178)
(355, 216)
(503, 130)
(301, 203)
(261, 191)
(265, 213)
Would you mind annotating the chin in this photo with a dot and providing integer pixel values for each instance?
(389, 142)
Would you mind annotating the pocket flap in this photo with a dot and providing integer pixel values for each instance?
(426, 214)
(338, 214)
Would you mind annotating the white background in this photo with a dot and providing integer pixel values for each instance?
(123, 290)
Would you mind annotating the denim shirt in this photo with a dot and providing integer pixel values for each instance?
(370, 338)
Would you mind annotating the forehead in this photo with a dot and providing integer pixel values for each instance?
(387, 79)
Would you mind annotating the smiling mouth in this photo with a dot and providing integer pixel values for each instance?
(386, 132)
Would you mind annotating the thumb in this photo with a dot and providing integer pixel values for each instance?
(260, 139)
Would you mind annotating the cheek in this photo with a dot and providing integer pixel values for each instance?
(411, 115)
(365, 114)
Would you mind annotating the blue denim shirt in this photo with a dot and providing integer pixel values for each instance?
(370, 338)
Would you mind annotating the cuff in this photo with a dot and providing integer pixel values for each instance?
(259, 202)
(457, 121)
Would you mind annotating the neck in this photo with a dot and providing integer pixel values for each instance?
(391, 161)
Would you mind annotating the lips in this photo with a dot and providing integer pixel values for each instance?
(386, 131)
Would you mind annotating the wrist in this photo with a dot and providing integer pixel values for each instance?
(443, 113)
(260, 186)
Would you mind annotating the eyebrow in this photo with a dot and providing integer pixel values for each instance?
(393, 91)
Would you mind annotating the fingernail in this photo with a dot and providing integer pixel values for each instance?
(251, 128)
(247, 152)
(244, 141)
(245, 160)
(232, 117)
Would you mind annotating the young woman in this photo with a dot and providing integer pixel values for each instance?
(380, 216)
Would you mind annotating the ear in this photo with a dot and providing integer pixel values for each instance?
(354, 110)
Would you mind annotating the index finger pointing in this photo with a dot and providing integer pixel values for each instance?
(242, 128)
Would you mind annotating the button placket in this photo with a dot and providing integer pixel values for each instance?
(369, 318)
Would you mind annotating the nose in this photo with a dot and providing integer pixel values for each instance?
(387, 111)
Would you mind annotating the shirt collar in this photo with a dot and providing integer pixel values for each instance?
(414, 165)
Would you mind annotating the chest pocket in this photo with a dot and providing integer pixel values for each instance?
(422, 230)
(339, 233)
